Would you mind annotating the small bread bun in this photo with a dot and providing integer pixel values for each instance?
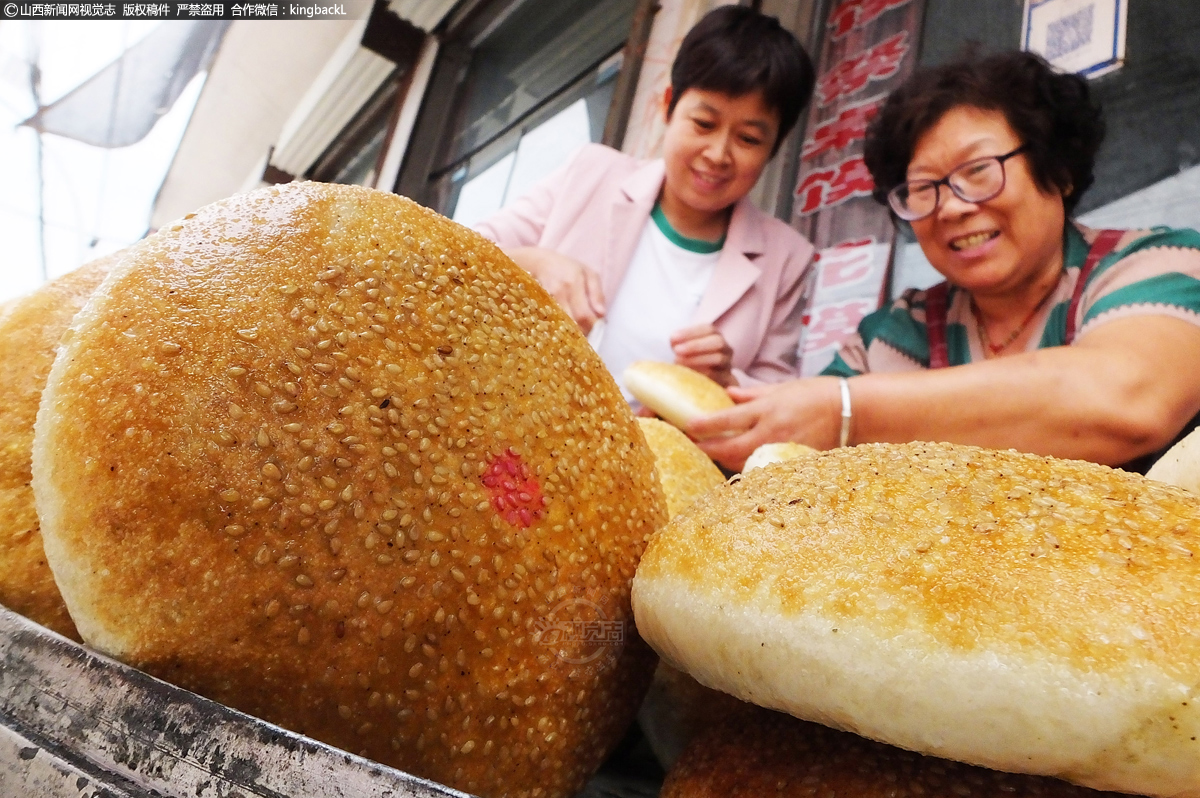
(776, 453)
(684, 471)
(677, 393)
(760, 753)
(1003, 609)
(1180, 465)
(676, 707)
(30, 329)
(329, 458)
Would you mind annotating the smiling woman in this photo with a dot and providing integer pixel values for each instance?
(1046, 336)
(670, 254)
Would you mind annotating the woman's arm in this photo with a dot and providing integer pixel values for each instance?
(520, 223)
(1122, 390)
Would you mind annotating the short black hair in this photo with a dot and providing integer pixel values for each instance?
(736, 50)
(1052, 113)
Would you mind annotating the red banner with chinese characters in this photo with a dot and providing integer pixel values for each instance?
(854, 73)
(846, 290)
(855, 14)
(849, 126)
(869, 48)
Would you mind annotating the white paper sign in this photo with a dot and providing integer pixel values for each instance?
(1082, 36)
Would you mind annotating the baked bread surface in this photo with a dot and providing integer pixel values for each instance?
(30, 329)
(329, 458)
(758, 753)
(775, 453)
(677, 393)
(1180, 465)
(1013, 611)
(684, 470)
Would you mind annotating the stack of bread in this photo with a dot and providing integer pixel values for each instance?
(324, 456)
(329, 458)
(677, 707)
(1004, 610)
(758, 753)
(30, 329)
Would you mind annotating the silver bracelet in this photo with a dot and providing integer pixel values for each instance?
(847, 414)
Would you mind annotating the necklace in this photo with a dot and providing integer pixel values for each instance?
(991, 349)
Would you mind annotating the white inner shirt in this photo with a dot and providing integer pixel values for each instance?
(659, 295)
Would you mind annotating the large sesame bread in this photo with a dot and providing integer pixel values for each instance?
(30, 329)
(684, 471)
(1007, 610)
(327, 457)
(1180, 465)
(677, 393)
(759, 753)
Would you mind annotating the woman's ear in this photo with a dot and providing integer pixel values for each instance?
(666, 103)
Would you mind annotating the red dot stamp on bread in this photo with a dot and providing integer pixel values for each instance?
(516, 494)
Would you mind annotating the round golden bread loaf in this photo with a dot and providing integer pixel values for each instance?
(1180, 465)
(776, 453)
(684, 471)
(759, 753)
(677, 393)
(1003, 609)
(324, 456)
(30, 329)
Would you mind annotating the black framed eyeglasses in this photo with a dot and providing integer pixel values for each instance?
(977, 180)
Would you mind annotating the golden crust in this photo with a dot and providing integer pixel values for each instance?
(30, 330)
(685, 471)
(1008, 610)
(677, 393)
(760, 753)
(776, 453)
(1180, 465)
(993, 548)
(324, 456)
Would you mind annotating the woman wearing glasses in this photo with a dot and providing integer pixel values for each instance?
(1046, 336)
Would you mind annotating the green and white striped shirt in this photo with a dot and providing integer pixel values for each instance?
(1154, 272)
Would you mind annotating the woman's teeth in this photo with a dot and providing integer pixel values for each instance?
(966, 242)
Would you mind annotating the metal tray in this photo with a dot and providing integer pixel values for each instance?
(77, 724)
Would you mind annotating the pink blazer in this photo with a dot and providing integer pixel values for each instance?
(594, 209)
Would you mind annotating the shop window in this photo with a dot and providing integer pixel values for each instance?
(354, 155)
(534, 82)
(483, 184)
